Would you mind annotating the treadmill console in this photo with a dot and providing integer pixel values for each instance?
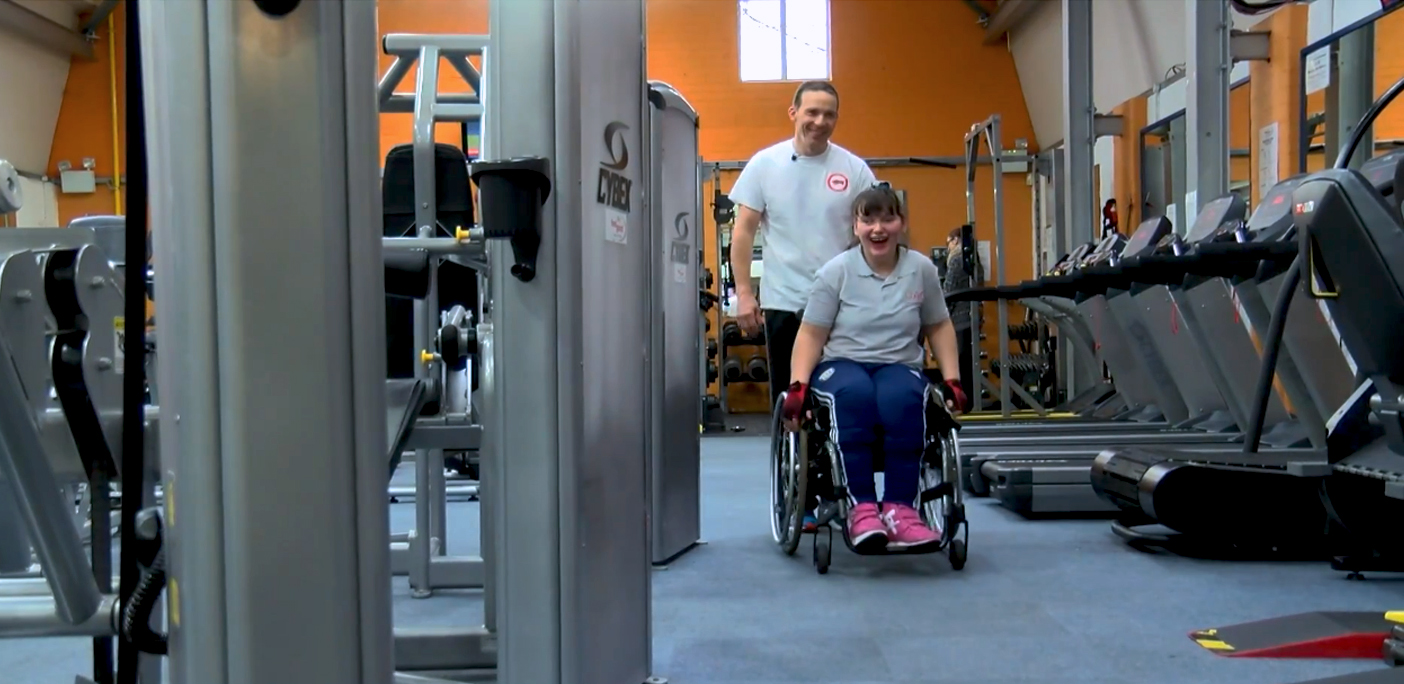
(1147, 237)
(1109, 247)
(1380, 171)
(1218, 219)
(1072, 260)
(1272, 220)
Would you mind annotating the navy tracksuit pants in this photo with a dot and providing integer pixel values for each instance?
(872, 401)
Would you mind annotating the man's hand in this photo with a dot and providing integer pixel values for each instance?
(790, 411)
(956, 400)
(748, 314)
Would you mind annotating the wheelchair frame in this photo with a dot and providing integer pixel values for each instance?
(794, 478)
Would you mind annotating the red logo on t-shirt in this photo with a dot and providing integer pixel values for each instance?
(837, 182)
(916, 296)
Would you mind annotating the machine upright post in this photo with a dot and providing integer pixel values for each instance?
(1079, 128)
(567, 422)
(1206, 105)
(265, 214)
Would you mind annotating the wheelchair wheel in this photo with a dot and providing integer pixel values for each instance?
(956, 552)
(823, 551)
(789, 475)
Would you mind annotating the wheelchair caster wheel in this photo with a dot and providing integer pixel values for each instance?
(823, 553)
(957, 554)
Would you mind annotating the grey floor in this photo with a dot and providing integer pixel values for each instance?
(1044, 601)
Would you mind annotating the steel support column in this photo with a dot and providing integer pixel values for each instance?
(1354, 91)
(1079, 129)
(1207, 67)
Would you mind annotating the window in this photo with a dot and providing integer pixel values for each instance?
(784, 40)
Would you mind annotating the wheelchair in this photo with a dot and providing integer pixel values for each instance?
(805, 472)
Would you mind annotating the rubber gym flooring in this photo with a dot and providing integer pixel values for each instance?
(1040, 601)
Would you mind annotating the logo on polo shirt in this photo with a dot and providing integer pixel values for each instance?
(916, 296)
(837, 182)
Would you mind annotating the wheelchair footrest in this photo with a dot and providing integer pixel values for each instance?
(939, 491)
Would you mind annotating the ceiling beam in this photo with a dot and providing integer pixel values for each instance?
(1010, 14)
(45, 32)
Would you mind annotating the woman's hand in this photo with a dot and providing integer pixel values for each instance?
(793, 408)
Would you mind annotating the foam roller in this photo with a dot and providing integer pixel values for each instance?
(732, 372)
(757, 369)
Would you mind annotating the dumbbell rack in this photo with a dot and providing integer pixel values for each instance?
(724, 351)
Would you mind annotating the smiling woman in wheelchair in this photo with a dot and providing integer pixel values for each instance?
(857, 366)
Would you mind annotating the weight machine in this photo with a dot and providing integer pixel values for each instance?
(267, 235)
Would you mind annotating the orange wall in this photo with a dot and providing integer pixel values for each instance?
(84, 127)
(894, 64)
(426, 16)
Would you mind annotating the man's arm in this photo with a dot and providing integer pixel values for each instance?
(743, 241)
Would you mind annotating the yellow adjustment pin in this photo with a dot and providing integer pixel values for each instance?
(1395, 616)
(427, 357)
(460, 234)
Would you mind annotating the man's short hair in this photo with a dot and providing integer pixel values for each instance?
(815, 87)
(954, 234)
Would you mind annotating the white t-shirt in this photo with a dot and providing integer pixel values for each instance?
(806, 205)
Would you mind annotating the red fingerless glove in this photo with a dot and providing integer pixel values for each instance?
(957, 396)
(794, 401)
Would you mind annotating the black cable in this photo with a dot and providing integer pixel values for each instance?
(134, 342)
(1271, 346)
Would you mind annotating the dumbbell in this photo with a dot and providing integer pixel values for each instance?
(758, 369)
(732, 371)
(711, 349)
(731, 334)
(711, 372)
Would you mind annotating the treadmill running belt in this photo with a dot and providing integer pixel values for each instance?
(1327, 634)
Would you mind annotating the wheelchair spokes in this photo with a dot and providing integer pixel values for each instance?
(789, 473)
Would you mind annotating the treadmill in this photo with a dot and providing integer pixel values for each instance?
(1357, 255)
(1099, 408)
(1142, 415)
(1050, 480)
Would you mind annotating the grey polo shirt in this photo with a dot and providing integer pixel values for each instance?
(872, 319)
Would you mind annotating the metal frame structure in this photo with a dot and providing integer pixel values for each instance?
(1347, 98)
(261, 261)
(1207, 65)
(422, 553)
(988, 132)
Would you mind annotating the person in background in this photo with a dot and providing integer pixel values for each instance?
(960, 278)
(859, 353)
(799, 192)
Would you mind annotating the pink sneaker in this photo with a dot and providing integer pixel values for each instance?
(866, 529)
(905, 529)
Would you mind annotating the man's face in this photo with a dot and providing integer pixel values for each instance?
(953, 245)
(815, 117)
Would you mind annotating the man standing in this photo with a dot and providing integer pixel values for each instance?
(800, 191)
